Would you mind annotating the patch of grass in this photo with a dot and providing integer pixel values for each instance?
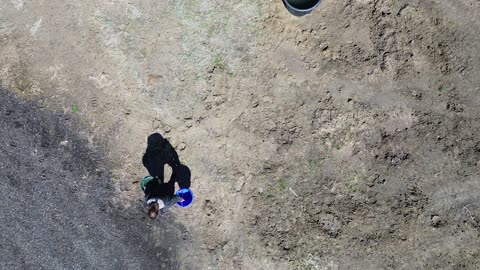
(275, 189)
(22, 85)
(211, 31)
(361, 177)
(358, 184)
(282, 184)
(352, 187)
(270, 192)
(336, 145)
(314, 159)
(313, 163)
(219, 61)
(441, 88)
(75, 108)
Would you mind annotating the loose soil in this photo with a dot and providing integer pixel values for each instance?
(345, 139)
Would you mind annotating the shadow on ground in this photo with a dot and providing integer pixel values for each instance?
(55, 194)
(160, 153)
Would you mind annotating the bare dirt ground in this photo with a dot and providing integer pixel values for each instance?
(346, 139)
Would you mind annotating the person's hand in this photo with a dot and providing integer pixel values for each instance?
(161, 204)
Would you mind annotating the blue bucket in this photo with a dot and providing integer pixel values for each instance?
(300, 7)
(187, 196)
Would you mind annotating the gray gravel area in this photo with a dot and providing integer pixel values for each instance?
(56, 209)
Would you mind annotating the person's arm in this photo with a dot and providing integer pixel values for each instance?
(173, 200)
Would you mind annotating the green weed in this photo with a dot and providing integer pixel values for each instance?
(358, 184)
(441, 88)
(75, 108)
(352, 187)
(218, 61)
(275, 189)
(337, 145)
(282, 184)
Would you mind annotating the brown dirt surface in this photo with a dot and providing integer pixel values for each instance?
(345, 139)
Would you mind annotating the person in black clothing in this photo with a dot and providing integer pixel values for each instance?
(158, 194)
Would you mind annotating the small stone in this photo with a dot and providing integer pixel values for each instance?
(240, 183)
(436, 221)
(182, 146)
(167, 129)
(260, 190)
(416, 95)
(156, 123)
(63, 143)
